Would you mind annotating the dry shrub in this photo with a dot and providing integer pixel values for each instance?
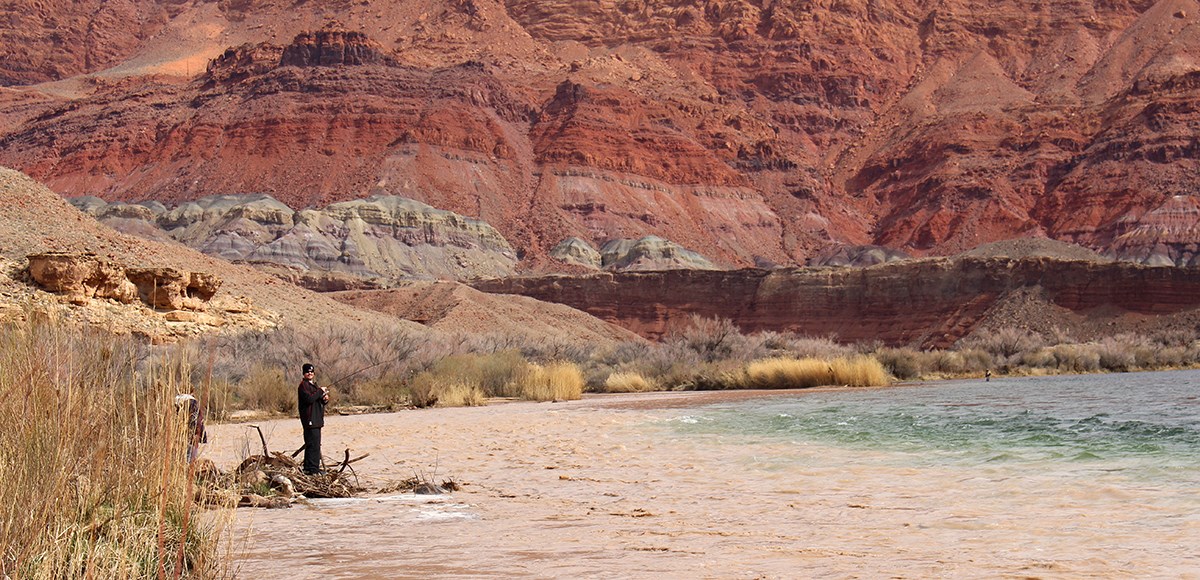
(1041, 358)
(1075, 358)
(1005, 342)
(904, 363)
(266, 388)
(386, 390)
(422, 390)
(814, 347)
(714, 339)
(459, 394)
(859, 371)
(559, 381)
(343, 353)
(976, 360)
(1117, 353)
(92, 451)
(427, 390)
(627, 383)
(789, 373)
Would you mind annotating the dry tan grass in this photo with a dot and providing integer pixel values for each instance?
(459, 394)
(92, 451)
(560, 381)
(790, 373)
(859, 371)
(627, 383)
(428, 389)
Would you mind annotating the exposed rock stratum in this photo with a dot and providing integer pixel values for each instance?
(750, 132)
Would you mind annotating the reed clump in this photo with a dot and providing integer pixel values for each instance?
(559, 381)
(93, 455)
(627, 382)
(790, 373)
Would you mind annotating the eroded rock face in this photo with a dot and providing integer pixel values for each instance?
(356, 244)
(748, 132)
(650, 253)
(332, 47)
(82, 277)
(927, 303)
(1168, 235)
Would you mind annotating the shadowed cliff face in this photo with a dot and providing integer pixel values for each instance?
(927, 303)
(747, 131)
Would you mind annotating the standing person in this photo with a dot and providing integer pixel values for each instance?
(196, 434)
(312, 401)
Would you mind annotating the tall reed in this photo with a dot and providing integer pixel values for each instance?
(790, 373)
(93, 455)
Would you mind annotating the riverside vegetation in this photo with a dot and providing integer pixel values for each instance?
(382, 367)
(92, 448)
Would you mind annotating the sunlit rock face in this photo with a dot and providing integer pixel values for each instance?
(343, 245)
(80, 277)
(753, 133)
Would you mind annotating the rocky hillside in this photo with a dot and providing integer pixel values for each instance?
(749, 132)
(58, 261)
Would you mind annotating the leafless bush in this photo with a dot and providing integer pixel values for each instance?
(814, 347)
(1122, 352)
(711, 338)
(1075, 358)
(904, 363)
(1005, 342)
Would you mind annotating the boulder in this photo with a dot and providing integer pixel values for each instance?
(81, 277)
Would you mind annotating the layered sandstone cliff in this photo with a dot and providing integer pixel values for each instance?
(750, 132)
(929, 302)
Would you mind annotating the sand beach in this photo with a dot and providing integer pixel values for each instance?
(605, 487)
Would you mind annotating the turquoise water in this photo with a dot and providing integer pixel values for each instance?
(1131, 420)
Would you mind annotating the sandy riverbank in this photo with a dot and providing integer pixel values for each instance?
(606, 488)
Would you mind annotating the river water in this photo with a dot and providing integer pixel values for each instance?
(1096, 475)
(1092, 476)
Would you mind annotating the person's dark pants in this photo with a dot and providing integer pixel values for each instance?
(312, 450)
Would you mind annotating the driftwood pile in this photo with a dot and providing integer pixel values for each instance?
(275, 479)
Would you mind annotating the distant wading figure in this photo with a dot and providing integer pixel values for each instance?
(312, 401)
(196, 434)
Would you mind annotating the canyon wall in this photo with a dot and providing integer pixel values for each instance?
(929, 303)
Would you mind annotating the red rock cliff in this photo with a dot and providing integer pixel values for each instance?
(931, 302)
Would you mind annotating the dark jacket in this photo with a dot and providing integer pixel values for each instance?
(312, 405)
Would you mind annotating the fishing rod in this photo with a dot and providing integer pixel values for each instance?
(366, 368)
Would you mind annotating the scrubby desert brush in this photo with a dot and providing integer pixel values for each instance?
(906, 363)
(627, 383)
(790, 373)
(558, 381)
(460, 394)
(93, 455)
(266, 388)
